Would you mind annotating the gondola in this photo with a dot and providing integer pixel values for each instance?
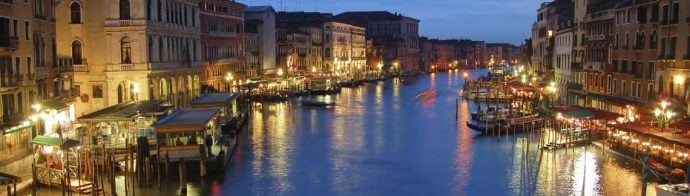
(505, 127)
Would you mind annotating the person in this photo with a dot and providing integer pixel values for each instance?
(209, 141)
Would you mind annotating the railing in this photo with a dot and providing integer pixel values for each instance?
(222, 34)
(10, 42)
(9, 81)
(574, 86)
(42, 72)
(125, 23)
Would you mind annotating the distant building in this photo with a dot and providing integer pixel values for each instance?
(563, 52)
(222, 35)
(260, 43)
(344, 48)
(397, 34)
(300, 41)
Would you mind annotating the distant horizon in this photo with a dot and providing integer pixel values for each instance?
(442, 19)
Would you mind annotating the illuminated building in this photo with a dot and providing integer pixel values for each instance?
(116, 51)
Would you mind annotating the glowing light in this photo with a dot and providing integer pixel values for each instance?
(135, 88)
(679, 79)
(36, 107)
(313, 69)
(280, 72)
(48, 149)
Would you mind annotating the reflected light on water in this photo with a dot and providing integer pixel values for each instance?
(463, 153)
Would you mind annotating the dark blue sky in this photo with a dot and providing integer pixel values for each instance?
(489, 20)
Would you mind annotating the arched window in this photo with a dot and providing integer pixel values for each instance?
(126, 51)
(75, 13)
(124, 10)
(76, 53)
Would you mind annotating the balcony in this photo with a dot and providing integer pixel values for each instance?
(222, 34)
(667, 56)
(125, 23)
(42, 72)
(153, 66)
(10, 81)
(9, 42)
(574, 86)
(13, 118)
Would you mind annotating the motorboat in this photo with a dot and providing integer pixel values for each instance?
(317, 103)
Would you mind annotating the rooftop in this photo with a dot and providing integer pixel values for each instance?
(216, 98)
(127, 111)
(259, 8)
(188, 117)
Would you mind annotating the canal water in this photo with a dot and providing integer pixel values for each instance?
(381, 140)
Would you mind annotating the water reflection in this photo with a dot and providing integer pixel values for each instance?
(379, 140)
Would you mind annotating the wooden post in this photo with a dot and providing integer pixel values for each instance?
(126, 174)
(167, 162)
(148, 171)
(183, 175)
(112, 176)
(202, 160)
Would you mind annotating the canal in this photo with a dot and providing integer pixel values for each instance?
(381, 140)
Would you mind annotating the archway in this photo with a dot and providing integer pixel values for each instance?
(163, 89)
(126, 91)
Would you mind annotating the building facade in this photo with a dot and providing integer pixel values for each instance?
(115, 51)
(397, 34)
(27, 70)
(222, 43)
(260, 29)
(344, 49)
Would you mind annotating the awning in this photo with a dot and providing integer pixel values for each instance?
(586, 113)
(215, 98)
(127, 111)
(54, 141)
(614, 100)
(186, 120)
(54, 104)
(7, 179)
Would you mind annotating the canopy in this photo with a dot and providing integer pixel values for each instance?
(55, 104)
(586, 113)
(54, 141)
(186, 120)
(6, 179)
(215, 98)
(127, 111)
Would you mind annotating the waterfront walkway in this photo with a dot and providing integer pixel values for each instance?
(21, 168)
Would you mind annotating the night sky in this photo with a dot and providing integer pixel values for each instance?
(507, 21)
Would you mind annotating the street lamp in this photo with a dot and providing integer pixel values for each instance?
(464, 75)
(664, 114)
(228, 78)
(552, 89)
(313, 69)
(280, 71)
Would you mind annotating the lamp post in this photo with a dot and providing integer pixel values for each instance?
(464, 76)
(228, 79)
(552, 90)
(664, 114)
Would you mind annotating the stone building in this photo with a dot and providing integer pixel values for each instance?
(344, 49)
(397, 34)
(222, 43)
(27, 70)
(117, 51)
(260, 41)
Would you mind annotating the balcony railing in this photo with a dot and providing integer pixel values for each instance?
(222, 34)
(10, 81)
(9, 42)
(42, 72)
(125, 23)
